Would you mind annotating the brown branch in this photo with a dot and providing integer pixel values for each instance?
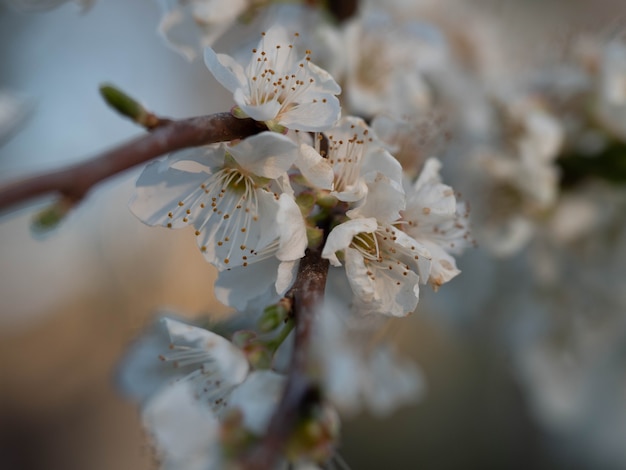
(301, 390)
(74, 182)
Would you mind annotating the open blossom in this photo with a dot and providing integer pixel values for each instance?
(203, 378)
(353, 153)
(273, 271)
(224, 192)
(438, 221)
(277, 87)
(384, 265)
(193, 385)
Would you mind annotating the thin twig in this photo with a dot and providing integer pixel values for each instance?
(301, 390)
(74, 182)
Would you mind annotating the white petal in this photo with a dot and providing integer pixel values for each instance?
(257, 398)
(292, 229)
(185, 430)
(246, 287)
(396, 294)
(417, 249)
(225, 243)
(286, 275)
(384, 200)
(159, 190)
(315, 168)
(380, 160)
(341, 236)
(142, 373)
(225, 69)
(267, 154)
(312, 116)
(324, 81)
(429, 173)
(361, 283)
(443, 267)
(228, 360)
(259, 112)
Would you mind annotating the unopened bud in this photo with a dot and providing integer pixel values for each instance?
(273, 316)
(258, 355)
(243, 338)
(316, 436)
(326, 201)
(127, 106)
(51, 216)
(306, 202)
(315, 236)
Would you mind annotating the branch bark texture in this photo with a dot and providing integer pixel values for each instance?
(74, 182)
(308, 292)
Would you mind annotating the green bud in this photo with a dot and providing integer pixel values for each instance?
(273, 316)
(315, 236)
(306, 202)
(127, 106)
(259, 356)
(242, 338)
(237, 112)
(326, 201)
(315, 437)
(51, 216)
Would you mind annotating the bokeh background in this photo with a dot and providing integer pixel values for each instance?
(73, 300)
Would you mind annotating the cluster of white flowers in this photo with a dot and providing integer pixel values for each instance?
(345, 165)
(314, 179)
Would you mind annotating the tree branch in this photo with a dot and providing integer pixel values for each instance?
(301, 390)
(74, 182)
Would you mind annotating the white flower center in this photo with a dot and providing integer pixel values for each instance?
(382, 255)
(345, 155)
(285, 86)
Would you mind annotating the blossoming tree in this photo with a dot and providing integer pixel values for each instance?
(319, 201)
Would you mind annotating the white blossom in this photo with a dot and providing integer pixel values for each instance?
(353, 153)
(384, 264)
(438, 221)
(277, 87)
(185, 433)
(225, 192)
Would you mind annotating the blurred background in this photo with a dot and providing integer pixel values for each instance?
(73, 300)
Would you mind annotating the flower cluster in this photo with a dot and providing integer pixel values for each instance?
(313, 180)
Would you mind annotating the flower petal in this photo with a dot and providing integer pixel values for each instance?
(225, 69)
(341, 236)
(257, 398)
(267, 154)
(315, 168)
